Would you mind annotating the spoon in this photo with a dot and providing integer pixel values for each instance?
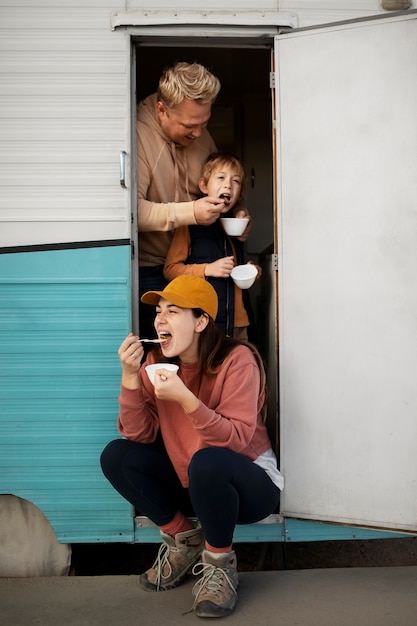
(151, 340)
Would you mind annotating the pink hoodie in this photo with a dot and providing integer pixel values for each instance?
(229, 415)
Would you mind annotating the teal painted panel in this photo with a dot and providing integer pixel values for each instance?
(63, 314)
(304, 530)
(254, 533)
(290, 530)
(248, 533)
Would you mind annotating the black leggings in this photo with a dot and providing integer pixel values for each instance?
(225, 488)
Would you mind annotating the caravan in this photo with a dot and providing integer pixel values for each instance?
(319, 101)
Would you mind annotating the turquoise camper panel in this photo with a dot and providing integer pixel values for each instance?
(63, 314)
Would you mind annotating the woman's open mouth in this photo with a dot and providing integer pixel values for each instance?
(164, 337)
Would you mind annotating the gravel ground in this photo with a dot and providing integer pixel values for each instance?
(111, 559)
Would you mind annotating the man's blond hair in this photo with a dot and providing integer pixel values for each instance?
(187, 80)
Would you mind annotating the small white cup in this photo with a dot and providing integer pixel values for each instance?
(234, 226)
(244, 275)
(150, 369)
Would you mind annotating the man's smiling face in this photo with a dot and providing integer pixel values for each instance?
(185, 123)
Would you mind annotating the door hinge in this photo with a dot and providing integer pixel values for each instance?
(275, 262)
(272, 80)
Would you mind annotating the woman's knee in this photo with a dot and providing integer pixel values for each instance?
(205, 464)
(112, 455)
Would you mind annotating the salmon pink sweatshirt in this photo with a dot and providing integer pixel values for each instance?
(229, 414)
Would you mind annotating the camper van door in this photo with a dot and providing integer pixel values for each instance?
(347, 146)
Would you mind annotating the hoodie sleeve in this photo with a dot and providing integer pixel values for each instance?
(164, 216)
(233, 422)
(158, 216)
(138, 418)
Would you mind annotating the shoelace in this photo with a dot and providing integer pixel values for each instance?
(161, 560)
(212, 578)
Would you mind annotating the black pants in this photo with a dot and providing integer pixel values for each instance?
(225, 488)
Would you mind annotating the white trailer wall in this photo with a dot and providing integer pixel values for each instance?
(64, 120)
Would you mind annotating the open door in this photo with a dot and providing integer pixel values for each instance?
(347, 152)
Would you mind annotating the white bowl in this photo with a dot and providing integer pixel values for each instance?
(244, 275)
(150, 369)
(234, 226)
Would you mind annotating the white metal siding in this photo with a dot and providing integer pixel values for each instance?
(64, 118)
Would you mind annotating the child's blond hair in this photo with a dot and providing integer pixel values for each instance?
(217, 159)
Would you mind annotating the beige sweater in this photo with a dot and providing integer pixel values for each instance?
(167, 183)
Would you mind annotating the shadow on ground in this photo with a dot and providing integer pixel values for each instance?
(122, 558)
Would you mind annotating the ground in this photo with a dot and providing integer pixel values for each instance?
(106, 559)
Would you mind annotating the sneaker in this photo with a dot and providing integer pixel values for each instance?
(215, 592)
(175, 559)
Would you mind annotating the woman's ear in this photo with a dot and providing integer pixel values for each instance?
(201, 322)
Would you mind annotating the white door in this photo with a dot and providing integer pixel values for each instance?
(347, 181)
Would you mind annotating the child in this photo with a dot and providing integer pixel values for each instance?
(207, 252)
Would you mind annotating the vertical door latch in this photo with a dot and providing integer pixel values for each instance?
(123, 168)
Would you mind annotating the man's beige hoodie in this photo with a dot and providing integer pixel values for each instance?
(167, 183)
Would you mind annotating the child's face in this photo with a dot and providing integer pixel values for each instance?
(224, 182)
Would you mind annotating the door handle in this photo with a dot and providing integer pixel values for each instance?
(123, 168)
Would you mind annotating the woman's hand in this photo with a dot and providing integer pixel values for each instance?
(130, 354)
(169, 386)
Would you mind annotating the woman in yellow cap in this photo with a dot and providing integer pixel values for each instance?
(194, 443)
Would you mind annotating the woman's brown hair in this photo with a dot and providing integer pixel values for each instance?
(214, 348)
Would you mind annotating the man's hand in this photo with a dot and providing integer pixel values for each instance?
(207, 210)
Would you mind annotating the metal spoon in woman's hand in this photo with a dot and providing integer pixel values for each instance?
(150, 340)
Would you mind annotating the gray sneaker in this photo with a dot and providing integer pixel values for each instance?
(215, 592)
(175, 559)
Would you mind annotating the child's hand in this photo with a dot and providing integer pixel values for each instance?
(248, 229)
(220, 268)
(259, 269)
